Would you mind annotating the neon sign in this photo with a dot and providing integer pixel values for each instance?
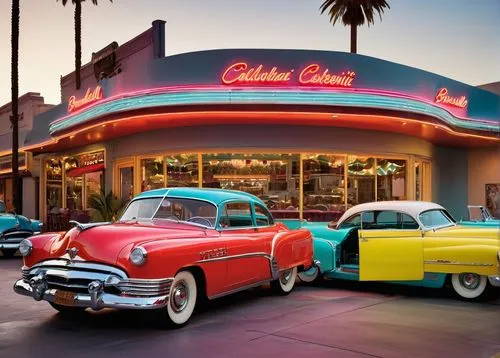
(311, 75)
(91, 96)
(443, 97)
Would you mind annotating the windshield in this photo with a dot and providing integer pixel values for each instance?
(436, 218)
(178, 209)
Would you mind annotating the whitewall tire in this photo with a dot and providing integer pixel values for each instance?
(310, 275)
(182, 299)
(469, 286)
(286, 281)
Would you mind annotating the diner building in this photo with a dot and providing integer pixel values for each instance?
(312, 133)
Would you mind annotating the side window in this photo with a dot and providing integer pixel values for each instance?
(408, 222)
(353, 221)
(387, 220)
(262, 216)
(236, 215)
(368, 220)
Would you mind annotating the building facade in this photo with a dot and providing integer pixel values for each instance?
(310, 132)
(30, 105)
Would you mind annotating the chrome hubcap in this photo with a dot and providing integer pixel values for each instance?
(286, 276)
(470, 280)
(180, 296)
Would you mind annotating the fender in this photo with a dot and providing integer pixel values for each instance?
(289, 248)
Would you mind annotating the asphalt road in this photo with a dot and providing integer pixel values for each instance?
(334, 320)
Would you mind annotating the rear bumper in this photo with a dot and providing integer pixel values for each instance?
(494, 280)
(95, 299)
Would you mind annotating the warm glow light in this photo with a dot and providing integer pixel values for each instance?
(310, 76)
(91, 96)
(443, 97)
(239, 73)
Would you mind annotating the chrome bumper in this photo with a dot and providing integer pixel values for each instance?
(95, 299)
(9, 245)
(92, 285)
(494, 280)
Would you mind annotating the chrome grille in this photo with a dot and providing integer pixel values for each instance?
(76, 277)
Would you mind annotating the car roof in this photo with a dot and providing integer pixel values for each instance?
(215, 196)
(413, 208)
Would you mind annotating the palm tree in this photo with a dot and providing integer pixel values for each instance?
(16, 198)
(78, 37)
(353, 13)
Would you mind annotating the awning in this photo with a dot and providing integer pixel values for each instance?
(84, 170)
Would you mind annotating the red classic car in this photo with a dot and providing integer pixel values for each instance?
(169, 248)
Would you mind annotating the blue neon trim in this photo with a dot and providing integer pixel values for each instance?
(268, 97)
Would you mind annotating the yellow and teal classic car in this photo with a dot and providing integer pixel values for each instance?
(407, 242)
(480, 216)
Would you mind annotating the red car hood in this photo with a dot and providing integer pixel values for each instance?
(104, 243)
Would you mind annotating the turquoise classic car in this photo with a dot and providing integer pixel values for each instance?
(480, 216)
(13, 229)
(405, 242)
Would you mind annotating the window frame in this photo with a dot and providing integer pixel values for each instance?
(266, 211)
(223, 211)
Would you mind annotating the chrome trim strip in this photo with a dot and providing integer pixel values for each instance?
(447, 262)
(17, 232)
(247, 255)
(14, 245)
(83, 227)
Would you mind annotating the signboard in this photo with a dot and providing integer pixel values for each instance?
(443, 97)
(310, 75)
(91, 96)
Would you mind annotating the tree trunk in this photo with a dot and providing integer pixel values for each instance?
(16, 197)
(78, 43)
(354, 39)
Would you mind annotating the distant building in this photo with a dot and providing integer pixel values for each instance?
(30, 104)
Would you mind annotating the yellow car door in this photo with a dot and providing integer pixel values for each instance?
(390, 248)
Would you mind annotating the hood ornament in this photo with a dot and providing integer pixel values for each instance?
(72, 253)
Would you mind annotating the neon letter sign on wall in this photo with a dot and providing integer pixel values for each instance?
(443, 97)
(90, 97)
(311, 75)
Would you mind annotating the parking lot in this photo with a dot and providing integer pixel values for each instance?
(334, 320)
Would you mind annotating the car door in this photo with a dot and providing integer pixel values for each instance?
(246, 246)
(390, 247)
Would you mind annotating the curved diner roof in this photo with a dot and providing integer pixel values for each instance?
(275, 87)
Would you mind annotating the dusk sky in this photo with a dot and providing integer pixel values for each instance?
(455, 38)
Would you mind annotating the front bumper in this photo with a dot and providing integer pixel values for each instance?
(9, 245)
(95, 301)
(494, 280)
(91, 285)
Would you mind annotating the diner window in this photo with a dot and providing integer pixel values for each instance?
(391, 179)
(272, 177)
(54, 184)
(94, 182)
(74, 192)
(324, 187)
(182, 170)
(236, 215)
(360, 180)
(422, 180)
(152, 173)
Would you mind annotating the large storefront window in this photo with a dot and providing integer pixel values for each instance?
(391, 179)
(74, 192)
(360, 180)
(152, 173)
(272, 177)
(182, 170)
(324, 187)
(54, 185)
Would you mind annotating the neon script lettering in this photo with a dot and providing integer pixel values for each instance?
(239, 73)
(91, 96)
(312, 75)
(443, 97)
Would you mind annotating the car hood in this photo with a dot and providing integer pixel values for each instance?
(103, 243)
(488, 234)
(10, 222)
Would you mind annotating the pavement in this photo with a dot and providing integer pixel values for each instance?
(336, 319)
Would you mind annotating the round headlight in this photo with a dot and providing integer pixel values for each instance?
(138, 256)
(25, 247)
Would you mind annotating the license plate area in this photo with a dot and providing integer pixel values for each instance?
(65, 298)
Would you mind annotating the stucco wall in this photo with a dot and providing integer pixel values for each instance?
(449, 180)
(484, 168)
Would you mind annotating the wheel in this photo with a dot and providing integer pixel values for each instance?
(286, 281)
(310, 276)
(182, 300)
(9, 252)
(470, 286)
(67, 310)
